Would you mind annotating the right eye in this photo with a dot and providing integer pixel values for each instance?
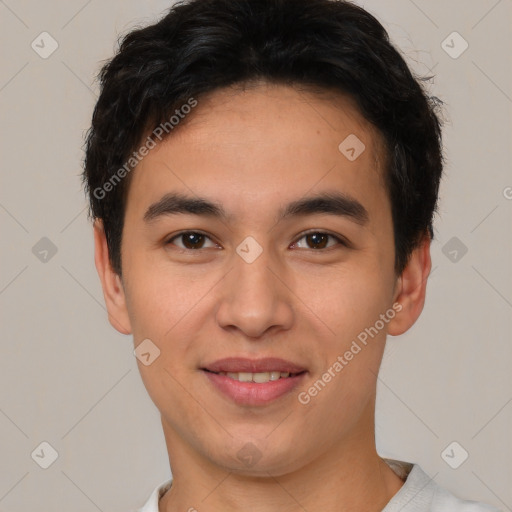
(191, 240)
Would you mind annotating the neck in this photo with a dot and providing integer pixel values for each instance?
(347, 476)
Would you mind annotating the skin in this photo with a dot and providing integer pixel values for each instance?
(254, 150)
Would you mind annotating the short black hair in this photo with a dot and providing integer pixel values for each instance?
(203, 45)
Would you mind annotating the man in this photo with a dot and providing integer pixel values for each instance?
(263, 176)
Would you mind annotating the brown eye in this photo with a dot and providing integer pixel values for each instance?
(191, 240)
(318, 240)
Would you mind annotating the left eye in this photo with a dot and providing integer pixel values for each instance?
(319, 239)
(193, 240)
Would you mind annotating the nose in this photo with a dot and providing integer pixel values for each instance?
(255, 297)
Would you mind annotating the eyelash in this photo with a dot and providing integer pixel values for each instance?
(340, 240)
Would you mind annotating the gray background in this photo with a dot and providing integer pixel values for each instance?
(68, 378)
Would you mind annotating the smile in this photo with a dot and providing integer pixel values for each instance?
(260, 377)
(254, 389)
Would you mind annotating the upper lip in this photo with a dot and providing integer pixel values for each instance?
(242, 364)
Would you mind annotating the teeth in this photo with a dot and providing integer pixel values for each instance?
(256, 377)
(245, 377)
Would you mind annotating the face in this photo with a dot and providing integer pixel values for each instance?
(260, 269)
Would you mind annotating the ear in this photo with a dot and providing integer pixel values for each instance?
(411, 288)
(113, 291)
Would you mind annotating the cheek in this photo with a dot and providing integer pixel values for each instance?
(345, 301)
(158, 295)
(169, 309)
(351, 345)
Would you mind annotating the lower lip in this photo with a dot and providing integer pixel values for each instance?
(253, 393)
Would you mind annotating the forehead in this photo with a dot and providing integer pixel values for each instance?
(265, 109)
(258, 141)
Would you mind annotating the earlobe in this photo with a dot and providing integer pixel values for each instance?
(411, 289)
(113, 290)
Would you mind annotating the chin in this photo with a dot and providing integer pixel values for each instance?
(251, 460)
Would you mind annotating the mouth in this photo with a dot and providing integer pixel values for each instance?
(243, 365)
(253, 382)
(257, 377)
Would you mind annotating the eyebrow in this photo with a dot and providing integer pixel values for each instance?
(332, 203)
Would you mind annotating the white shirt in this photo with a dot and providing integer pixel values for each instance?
(418, 494)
